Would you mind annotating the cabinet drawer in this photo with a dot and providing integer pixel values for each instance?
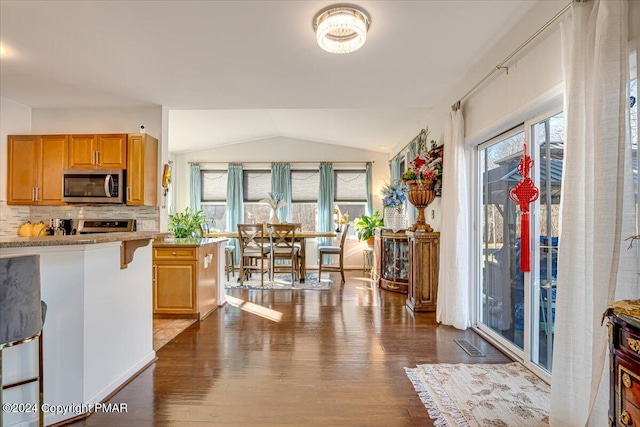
(174, 253)
(629, 343)
(628, 415)
(627, 384)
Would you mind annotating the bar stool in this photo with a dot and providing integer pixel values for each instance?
(22, 314)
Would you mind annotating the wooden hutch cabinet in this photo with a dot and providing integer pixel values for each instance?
(624, 347)
(423, 277)
(391, 260)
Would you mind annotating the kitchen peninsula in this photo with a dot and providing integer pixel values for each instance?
(98, 330)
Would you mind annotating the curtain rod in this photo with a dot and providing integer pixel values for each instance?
(501, 66)
(297, 163)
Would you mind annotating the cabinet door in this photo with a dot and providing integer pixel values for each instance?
(111, 151)
(135, 170)
(22, 165)
(174, 287)
(53, 160)
(82, 151)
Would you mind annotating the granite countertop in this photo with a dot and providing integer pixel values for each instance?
(77, 239)
(169, 242)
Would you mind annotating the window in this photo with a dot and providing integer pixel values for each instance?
(255, 186)
(351, 194)
(304, 198)
(214, 197)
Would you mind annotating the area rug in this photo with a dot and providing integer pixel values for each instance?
(469, 395)
(283, 282)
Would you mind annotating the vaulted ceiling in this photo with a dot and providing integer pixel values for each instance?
(234, 71)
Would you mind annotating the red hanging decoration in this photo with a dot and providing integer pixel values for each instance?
(524, 193)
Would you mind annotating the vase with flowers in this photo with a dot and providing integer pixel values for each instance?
(422, 176)
(394, 196)
(275, 201)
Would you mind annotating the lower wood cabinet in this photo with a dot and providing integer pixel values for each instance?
(423, 274)
(624, 347)
(391, 260)
(185, 279)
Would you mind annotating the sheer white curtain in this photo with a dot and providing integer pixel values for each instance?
(594, 265)
(454, 283)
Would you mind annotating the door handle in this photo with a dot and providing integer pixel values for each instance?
(93, 158)
(128, 194)
(37, 194)
(97, 158)
(33, 194)
(107, 185)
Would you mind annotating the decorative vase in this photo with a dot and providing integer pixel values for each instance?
(421, 194)
(274, 217)
(394, 218)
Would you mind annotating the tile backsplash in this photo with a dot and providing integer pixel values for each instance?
(12, 216)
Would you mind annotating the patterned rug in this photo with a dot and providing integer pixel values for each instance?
(283, 281)
(505, 395)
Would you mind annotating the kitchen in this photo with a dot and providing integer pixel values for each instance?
(96, 283)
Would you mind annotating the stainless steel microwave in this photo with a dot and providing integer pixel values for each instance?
(93, 185)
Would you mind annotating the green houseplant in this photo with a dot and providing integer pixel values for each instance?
(186, 224)
(365, 226)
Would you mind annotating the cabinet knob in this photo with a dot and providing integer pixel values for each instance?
(625, 418)
(173, 253)
(626, 380)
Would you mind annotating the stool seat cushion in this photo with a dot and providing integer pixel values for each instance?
(20, 305)
(229, 248)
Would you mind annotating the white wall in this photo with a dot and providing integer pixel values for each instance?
(278, 149)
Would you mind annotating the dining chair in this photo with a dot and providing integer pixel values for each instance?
(252, 251)
(283, 247)
(333, 250)
(229, 253)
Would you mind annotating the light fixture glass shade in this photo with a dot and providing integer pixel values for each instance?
(341, 29)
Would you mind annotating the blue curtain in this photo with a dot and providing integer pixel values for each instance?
(326, 194)
(196, 193)
(281, 183)
(369, 189)
(395, 172)
(235, 211)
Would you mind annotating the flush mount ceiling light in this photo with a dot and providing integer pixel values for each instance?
(341, 28)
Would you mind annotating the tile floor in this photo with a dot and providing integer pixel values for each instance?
(164, 330)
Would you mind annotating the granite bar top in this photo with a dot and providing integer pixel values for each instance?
(165, 241)
(76, 239)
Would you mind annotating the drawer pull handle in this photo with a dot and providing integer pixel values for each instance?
(634, 344)
(625, 417)
(626, 380)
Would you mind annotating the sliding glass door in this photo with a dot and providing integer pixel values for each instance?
(518, 309)
(502, 288)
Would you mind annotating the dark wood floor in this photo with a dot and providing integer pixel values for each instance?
(303, 358)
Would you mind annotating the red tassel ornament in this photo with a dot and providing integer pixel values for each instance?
(524, 193)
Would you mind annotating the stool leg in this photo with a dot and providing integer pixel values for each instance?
(40, 380)
(1, 412)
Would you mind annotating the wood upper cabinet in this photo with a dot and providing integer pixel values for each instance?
(54, 155)
(107, 151)
(142, 170)
(35, 165)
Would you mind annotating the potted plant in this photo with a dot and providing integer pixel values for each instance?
(186, 224)
(365, 226)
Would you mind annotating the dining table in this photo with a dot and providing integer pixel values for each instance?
(300, 237)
